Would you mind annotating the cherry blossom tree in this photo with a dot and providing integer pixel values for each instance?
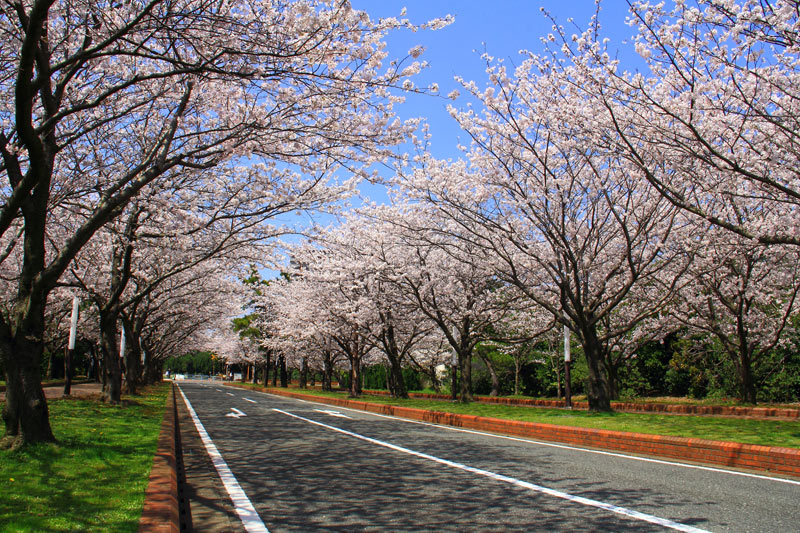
(314, 314)
(711, 123)
(361, 249)
(102, 99)
(443, 278)
(564, 221)
(744, 294)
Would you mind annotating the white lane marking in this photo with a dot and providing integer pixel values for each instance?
(249, 400)
(513, 481)
(241, 503)
(236, 413)
(230, 394)
(331, 412)
(219, 390)
(562, 446)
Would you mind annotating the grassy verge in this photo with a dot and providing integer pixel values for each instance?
(94, 478)
(749, 431)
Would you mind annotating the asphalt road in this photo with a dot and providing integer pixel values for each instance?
(307, 467)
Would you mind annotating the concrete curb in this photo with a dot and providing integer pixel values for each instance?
(773, 459)
(630, 407)
(161, 512)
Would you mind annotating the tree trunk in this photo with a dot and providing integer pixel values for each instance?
(327, 372)
(25, 413)
(747, 386)
(284, 374)
(304, 373)
(517, 366)
(265, 373)
(492, 374)
(465, 385)
(52, 367)
(597, 389)
(397, 385)
(112, 372)
(133, 365)
(355, 376)
(275, 373)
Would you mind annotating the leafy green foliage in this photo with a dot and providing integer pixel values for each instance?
(194, 363)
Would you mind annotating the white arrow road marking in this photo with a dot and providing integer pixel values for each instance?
(236, 414)
(331, 412)
(249, 400)
(513, 481)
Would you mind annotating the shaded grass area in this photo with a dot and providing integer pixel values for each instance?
(744, 430)
(94, 478)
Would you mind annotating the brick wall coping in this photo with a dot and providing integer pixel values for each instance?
(161, 513)
(632, 407)
(784, 461)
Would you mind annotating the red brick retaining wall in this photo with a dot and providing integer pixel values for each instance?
(717, 410)
(161, 513)
(770, 458)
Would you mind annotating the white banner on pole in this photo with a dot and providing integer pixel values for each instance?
(73, 326)
(122, 343)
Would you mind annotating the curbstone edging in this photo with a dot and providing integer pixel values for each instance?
(773, 459)
(629, 407)
(161, 512)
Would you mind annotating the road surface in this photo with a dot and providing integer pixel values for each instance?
(291, 465)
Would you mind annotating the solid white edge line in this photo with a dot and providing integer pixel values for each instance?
(554, 445)
(241, 503)
(513, 481)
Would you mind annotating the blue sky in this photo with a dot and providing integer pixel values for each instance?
(501, 27)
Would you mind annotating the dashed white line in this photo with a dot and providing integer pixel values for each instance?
(230, 394)
(561, 446)
(241, 503)
(249, 400)
(513, 481)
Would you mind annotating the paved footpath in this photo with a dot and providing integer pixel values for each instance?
(79, 390)
(293, 465)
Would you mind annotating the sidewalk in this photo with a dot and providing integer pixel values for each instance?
(80, 390)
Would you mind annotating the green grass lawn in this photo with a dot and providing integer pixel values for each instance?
(750, 431)
(94, 478)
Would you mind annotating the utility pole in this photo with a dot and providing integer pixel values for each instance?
(454, 366)
(567, 363)
(73, 330)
